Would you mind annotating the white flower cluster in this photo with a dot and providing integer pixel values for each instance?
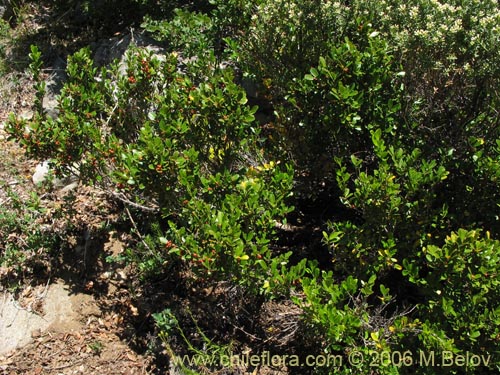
(288, 16)
(440, 29)
(284, 34)
(434, 27)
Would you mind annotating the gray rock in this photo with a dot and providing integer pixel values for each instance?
(20, 325)
(53, 86)
(26, 115)
(108, 50)
(44, 173)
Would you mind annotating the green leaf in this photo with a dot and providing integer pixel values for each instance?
(322, 62)
(243, 100)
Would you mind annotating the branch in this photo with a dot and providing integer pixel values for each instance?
(121, 197)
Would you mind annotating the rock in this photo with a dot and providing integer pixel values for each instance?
(19, 326)
(50, 106)
(36, 333)
(26, 115)
(44, 173)
(108, 50)
(53, 86)
(71, 186)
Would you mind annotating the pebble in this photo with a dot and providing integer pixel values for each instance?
(36, 333)
(43, 172)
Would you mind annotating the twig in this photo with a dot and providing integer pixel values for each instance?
(125, 200)
(139, 233)
(49, 368)
(111, 114)
(245, 332)
(288, 227)
(63, 15)
(45, 290)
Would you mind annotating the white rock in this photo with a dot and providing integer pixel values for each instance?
(43, 172)
(60, 314)
(26, 115)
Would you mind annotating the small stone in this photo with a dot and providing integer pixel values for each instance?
(122, 275)
(42, 171)
(36, 333)
(72, 186)
(26, 115)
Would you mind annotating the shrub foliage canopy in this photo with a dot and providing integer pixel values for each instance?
(385, 111)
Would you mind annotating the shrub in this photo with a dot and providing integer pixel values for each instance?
(447, 51)
(168, 142)
(397, 207)
(402, 239)
(224, 230)
(284, 38)
(358, 323)
(25, 236)
(461, 285)
(191, 32)
(332, 109)
(392, 104)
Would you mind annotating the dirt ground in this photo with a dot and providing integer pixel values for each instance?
(79, 339)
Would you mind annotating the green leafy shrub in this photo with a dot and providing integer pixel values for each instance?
(397, 240)
(362, 319)
(284, 38)
(391, 104)
(357, 323)
(402, 239)
(70, 137)
(331, 111)
(185, 148)
(212, 355)
(397, 206)
(191, 32)
(462, 283)
(447, 50)
(25, 237)
(226, 231)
